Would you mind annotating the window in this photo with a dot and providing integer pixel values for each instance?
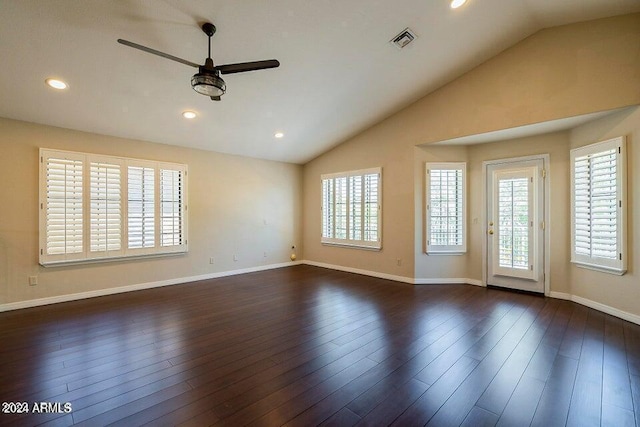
(598, 223)
(351, 208)
(102, 207)
(446, 208)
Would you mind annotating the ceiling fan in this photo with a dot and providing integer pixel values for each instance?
(208, 81)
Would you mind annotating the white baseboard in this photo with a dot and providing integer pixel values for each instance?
(403, 279)
(395, 278)
(560, 295)
(137, 287)
(630, 317)
(447, 281)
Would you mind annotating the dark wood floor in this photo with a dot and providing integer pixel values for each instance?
(306, 346)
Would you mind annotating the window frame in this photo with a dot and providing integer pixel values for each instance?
(616, 266)
(445, 249)
(348, 242)
(87, 255)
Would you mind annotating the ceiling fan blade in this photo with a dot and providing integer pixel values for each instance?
(247, 66)
(157, 52)
(215, 98)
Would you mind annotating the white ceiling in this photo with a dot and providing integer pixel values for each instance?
(339, 75)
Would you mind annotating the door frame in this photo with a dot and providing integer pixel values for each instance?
(545, 214)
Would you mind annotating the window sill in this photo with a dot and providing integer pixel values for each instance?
(108, 259)
(441, 253)
(353, 246)
(600, 268)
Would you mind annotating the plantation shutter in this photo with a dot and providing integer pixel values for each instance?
(371, 207)
(98, 207)
(598, 206)
(327, 208)
(355, 207)
(141, 207)
(171, 207)
(596, 203)
(351, 208)
(63, 207)
(446, 207)
(105, 207)
(340, 197)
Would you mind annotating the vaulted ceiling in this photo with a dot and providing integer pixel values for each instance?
(339, 74)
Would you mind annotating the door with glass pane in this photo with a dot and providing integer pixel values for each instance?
(515, 225)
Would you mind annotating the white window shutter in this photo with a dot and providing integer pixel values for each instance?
(445, 207)
(141, 207)
(371, 207)
(351, 208)
(172, 207)
(355, 207)
(340, 197)
(105, 213)
(327, 208)
(598, 229)
(62, 206)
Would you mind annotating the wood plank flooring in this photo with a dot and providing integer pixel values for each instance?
(303, 346)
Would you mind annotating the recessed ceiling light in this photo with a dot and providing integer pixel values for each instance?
(457, 3)
(189, 114)
(278, 134)
(56, 84)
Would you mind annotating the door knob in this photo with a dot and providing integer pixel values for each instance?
(490, 231)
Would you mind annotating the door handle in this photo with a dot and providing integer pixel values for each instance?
(491, 231)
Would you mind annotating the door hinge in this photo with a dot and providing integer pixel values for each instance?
(544, 173)
(620, 257)
(620, 202)
(41, 252)
(531, 267)
(542, 225)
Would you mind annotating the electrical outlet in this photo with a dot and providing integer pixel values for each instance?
(264, 254)
(33, 280)
(399, 262)
(235, 257)
(211, 260)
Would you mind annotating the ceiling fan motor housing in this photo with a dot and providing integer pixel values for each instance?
(208, 83)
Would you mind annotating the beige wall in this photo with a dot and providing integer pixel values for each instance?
(556, 73)
(621, 292)
(237, 206)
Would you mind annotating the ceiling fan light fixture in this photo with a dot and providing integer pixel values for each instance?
(189, 114)
(208, 84)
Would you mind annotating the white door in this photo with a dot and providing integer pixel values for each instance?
(515, 224)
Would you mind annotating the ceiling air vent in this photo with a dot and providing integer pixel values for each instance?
(405, 37)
